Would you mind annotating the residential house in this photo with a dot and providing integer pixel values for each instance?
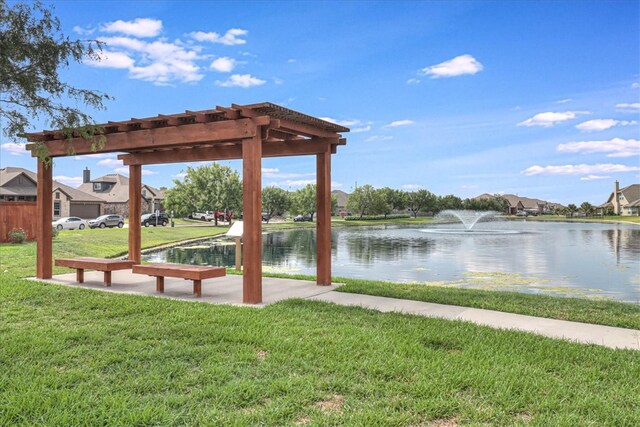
(519, 203)
(623, 201)
(113, 190)
(19, 184)
(341, 197)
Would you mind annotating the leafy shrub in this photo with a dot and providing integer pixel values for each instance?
(17, 235)
(54, 232)
(376, 217)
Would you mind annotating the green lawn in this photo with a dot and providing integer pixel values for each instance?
(81, 357)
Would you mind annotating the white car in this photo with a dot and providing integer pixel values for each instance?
(70, 223)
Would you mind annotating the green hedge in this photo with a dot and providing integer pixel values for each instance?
(376, 217)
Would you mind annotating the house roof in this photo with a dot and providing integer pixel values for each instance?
(119, 192)
(341, 196)
(527, 202)
(631, 193)
(9, 173)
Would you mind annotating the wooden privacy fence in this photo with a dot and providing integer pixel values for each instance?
(17, 215)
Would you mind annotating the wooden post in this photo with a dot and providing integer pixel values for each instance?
(238, 253)
(44, 233)
(252, 218)
(135, 205)
(323, 217)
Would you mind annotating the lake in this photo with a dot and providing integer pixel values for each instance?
(591, 260)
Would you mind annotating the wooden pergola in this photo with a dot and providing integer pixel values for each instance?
(247, 132)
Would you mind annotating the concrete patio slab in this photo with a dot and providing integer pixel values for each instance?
(221, 290)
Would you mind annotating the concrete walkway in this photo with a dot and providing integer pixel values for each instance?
(574, 331)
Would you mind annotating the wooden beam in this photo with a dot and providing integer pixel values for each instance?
(44, 233)
(323, 217)
(170, 136)
(252, 217)
(135, 206)
(229, 152)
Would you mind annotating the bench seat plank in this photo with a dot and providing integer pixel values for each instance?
(105, 265)
(197, 273)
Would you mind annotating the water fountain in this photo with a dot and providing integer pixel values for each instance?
(469, 219)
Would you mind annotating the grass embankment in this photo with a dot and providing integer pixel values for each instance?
(19, 260)
(80, 357)
(562, 218)
(611, 313)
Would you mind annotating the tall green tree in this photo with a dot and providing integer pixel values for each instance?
(395, 199)
(421, 201)
(449, 202)
(212, 187)
(587, 208)
(303, 201)
(361, 200)
(572, 209)
(33, 50)
(275, 201)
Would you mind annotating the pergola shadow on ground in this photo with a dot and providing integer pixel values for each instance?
(247, 132)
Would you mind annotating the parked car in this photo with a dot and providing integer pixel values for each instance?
(70, 223)
(522, 213)
(302, 218)
(203, 216)
(150, 219)
(223, 216)
(107, 221)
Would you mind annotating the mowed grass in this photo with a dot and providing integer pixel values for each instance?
(20, 260)
(80, 357)
(603, 312)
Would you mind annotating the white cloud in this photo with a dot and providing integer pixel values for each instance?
(361, 129)
(241, 80)
(298, 183)
(113, 60)
(603, 124)
(594, 177)
(470, 186)
(615, 147)
(14, 149)
(458, 66)
(635, 85)
(122, 171)
(398, 123)
(413, 81)
(292, 61)
(110, 163)
(634, 106)
(230, 38)
(549, 119)
(581, 169)
(223, 64)
(149, 172)
(180, 176)
(564, 101)
(335, 185)
(83, 31)
(412, 187)
(140, 27)
(71, 181)
(274, 173)
(374, 138)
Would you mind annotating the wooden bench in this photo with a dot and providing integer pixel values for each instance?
(101, 264)
(197, 273)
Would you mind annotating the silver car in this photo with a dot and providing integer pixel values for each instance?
(70, 223)
(107, 221)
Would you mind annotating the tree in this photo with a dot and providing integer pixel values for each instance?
(303, 201)
(586, 208)
(361, 200)
(449, 202)
(395, 199)
(212, 187)
(421, 201)
(572, 209)
(275, 201)
(33, 51)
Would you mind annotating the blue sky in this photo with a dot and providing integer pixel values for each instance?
(537, 98)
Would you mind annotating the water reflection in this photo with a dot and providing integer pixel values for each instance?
(557, 258)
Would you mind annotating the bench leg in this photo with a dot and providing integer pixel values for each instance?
(107, 278)
(160, 284)
(197, 288)
(80, 275)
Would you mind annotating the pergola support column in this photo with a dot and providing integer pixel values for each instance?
(135, 205)
(252, 217)
(323, 217)
(44, 231)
